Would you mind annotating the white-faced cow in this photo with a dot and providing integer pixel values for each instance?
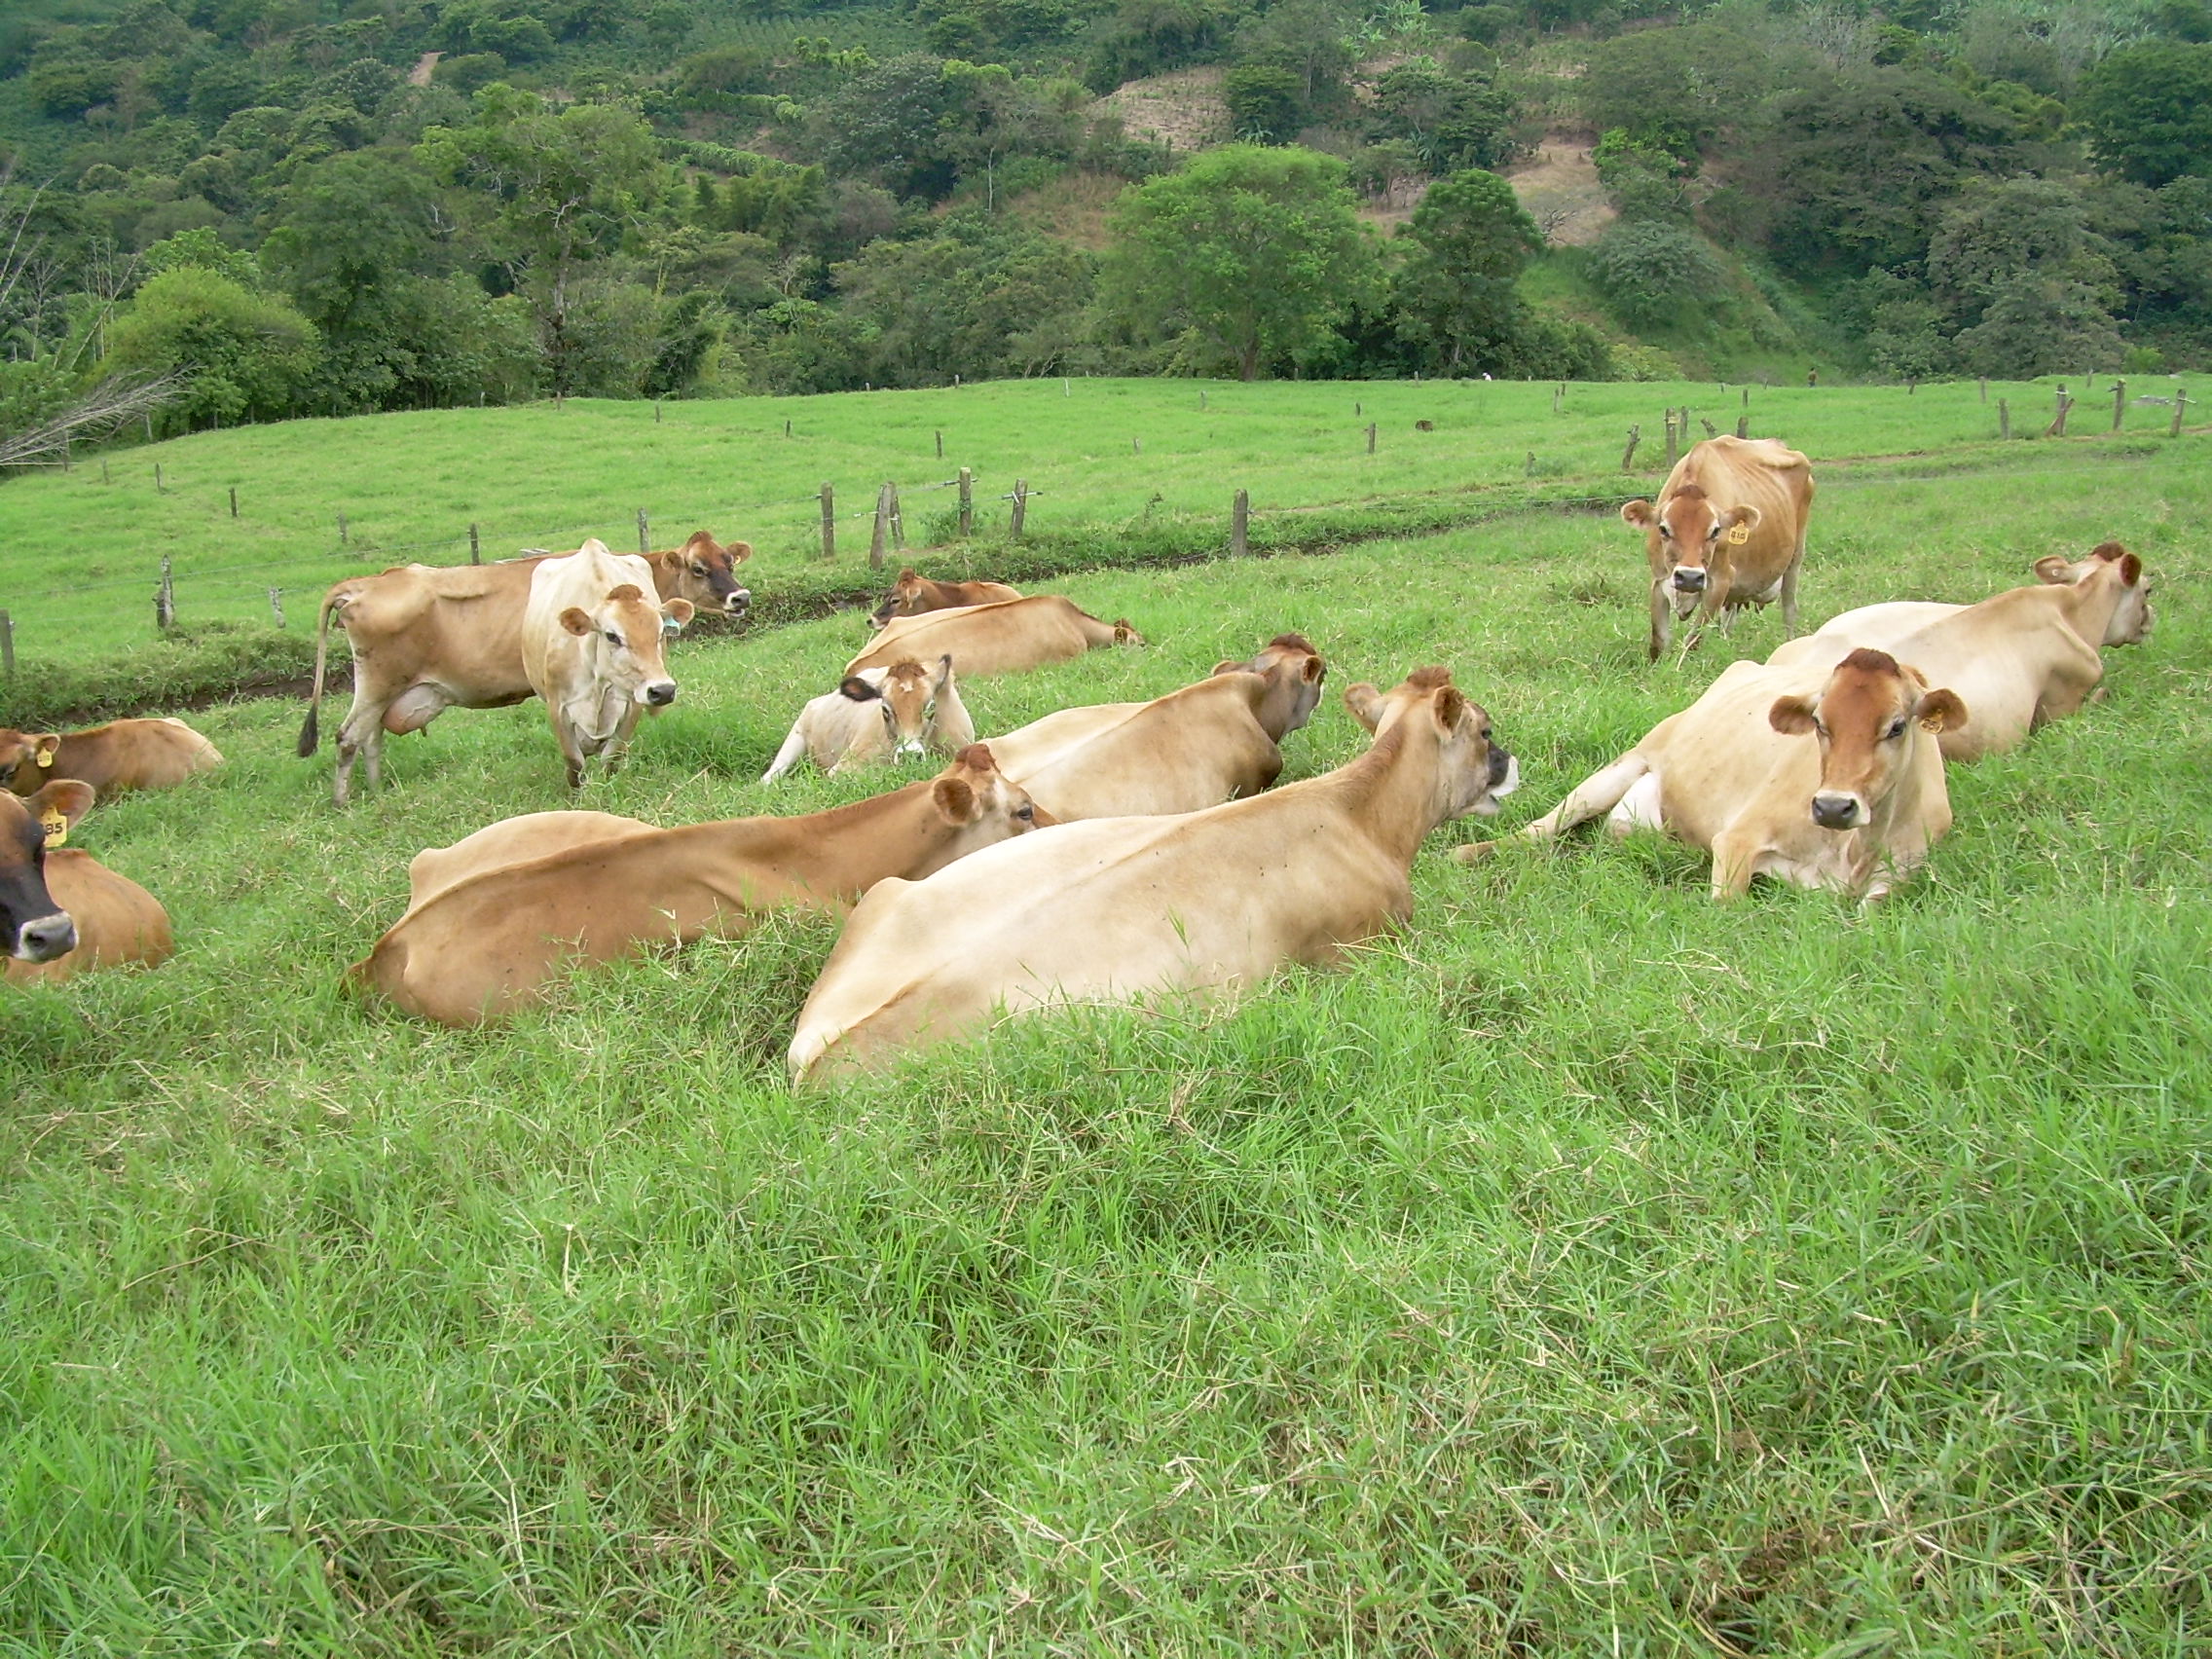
(1728, 530)
(878, 715)
(592, 647)
(1003, 638)
(1209, 901)
(123, 755)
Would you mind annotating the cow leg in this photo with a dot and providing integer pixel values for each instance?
(1642, 808)
(787, 756)
(1735, 860)
(362, 731)
(1600, 791)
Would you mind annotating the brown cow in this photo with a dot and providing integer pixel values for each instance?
(1729, 531)
(1825, 776)
(995, 639)
(114, 922)
(427, 638)
(878, 715)
(912, 595)
(1198, 747)
(123, 755)
(33, 925)
(490, 942)
(1123, 907)
(592, 646)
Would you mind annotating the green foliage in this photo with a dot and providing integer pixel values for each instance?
(1265, 105)
(1149, 37)
(1252, 252)
(976, 301)
(1672, 90)
(1653, 272)
(2036, 324)
(244, 354)
(2148, 111)
(1451, 120)
(204, 251)
(1455, 295)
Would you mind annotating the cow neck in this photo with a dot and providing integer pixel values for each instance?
(2088, 604)
(1396, 790)
(843, 850)
(1094, 631)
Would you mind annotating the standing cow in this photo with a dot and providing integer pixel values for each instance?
(592, 647)
(1728, 530)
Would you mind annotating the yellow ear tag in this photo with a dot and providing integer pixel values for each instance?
(1739, 534)
(57, 826)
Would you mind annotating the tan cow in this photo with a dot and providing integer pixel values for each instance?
(490, 942)
(428, 638)
(1824, 776)
(995, 639)
(592, 646)
(912, 595)
(1197, 746)
(1729, 531)
(116, 923)
(33, 925)
(1124, 908)
(878, 715)
(512, 842)
(123, 755)
(2020, 658)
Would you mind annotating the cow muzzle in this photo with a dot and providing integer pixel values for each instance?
(737, 602)
(1834, 809)
(1689, 579)
(45, 939)
(659, 695)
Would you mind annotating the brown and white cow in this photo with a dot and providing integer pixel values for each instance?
(1826, 776)
(995, 639)
(1124, 908)
(1728, 530)
(489, 942)
(33, 925)
(912, 595)
(1197, 746)
(2020, 659)
(592, 647)
(878, 715)
(114, 922)
(427, 638)
(123, 755)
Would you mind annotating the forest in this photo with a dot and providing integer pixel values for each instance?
(222, 211)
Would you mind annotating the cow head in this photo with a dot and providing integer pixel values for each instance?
(909, 596)
(907, 700)
(705, 572)
(33, 928)
(25, 758)
(981, 804)
(1868, 720)
(1682, 537)
(1126, 634)
(623, 634)
(1294, 670)
(2112, 566)
(1476, 770)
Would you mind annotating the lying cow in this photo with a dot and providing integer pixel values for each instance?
(1198, 747)
(2020, 658)
(1121, 907)
(1728, 530)
(123, 755)
(487, 940)
(1843, 788)
(112, 921)
(912, 595)
(430, 637)
(592, 647)
(33, 925)
(995, 639)
(879, 715)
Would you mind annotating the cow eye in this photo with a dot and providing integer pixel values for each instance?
(1665, 533)
(1026, 813)
(612, 638)
(698, 570)
(1896, 727)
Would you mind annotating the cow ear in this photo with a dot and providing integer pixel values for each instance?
(739, 552)
(1365, 704)
(577, 621)
(1941, 711)
(2130, 569)
(1451, 703)
(954, 800)
(2108, 551)
(1744, 518)
(943, 671)
(2053, 569)
(1315, 670)
(1637, 514)
(1792, 716)
(72, 797)
(907, 575)
(1124, 634)
(679, 611)
(856, 688)
(1228, 665)
(44, 746)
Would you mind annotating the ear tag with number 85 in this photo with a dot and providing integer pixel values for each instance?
(55, 825)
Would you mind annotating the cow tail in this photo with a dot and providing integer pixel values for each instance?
(311, 733)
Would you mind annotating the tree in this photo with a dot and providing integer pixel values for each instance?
(1996, 231)
(1671, 88)
(1451, 120)
(1652, 271)
(1264, 104)
(2039, 325)
(1253, 252)
(2148, 111)
(1455, 293)
(240, 354)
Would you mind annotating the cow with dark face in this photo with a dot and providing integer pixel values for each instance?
(911, 595)
(33, 928)
(704, 572)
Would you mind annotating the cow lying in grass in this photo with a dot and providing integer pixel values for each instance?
(1005, 638)
(877, 715)
(107, 920)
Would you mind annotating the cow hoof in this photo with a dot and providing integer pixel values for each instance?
(1474, 852)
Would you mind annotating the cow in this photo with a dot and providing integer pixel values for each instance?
(911, 595)
(123, 755)
(877, 715)
(1728, 530)
(1195, 747)
(1824, 775)
(511, 841)
(427, 638)
(488, 943)
(592, 647)
(2020, 658)
(33, 925)
(1207, 902)
(113, 921)
(995, 639)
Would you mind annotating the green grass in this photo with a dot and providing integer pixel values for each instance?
(1587, 1268)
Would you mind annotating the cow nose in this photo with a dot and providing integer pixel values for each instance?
(47, 937)
(738, 603)
(661, 692)
(1835, 811)
(1689, 579)
(1504, 772)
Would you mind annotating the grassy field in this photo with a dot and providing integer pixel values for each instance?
(1587, 1268)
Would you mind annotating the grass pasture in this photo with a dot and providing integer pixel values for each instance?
(1586, 1269)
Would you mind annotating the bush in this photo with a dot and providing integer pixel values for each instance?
(1264, 104)
(1653, 272)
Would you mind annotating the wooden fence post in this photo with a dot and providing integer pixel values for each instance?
(340, 530)
(276, 605)
(940, 445)
(829, 522)
(657, 411)
(158, 490)
(7, 645)
(165, 598)
(1240, 524)
(967, 502)
(1628, 456)
(1371, 437)
(2181, 402)
(644, 533)
(1021, 508)
(2059, 422)
(877, 529)
(1711, 430)
(898, 521)
(234, 501)
(1528, 467)
(1746, 398)
(1985, 388)
(103, 472)
(2004, 419)
(1742, 425)
(1670, 439)
(475, 547)
(2119, 403)
(1557, 392)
